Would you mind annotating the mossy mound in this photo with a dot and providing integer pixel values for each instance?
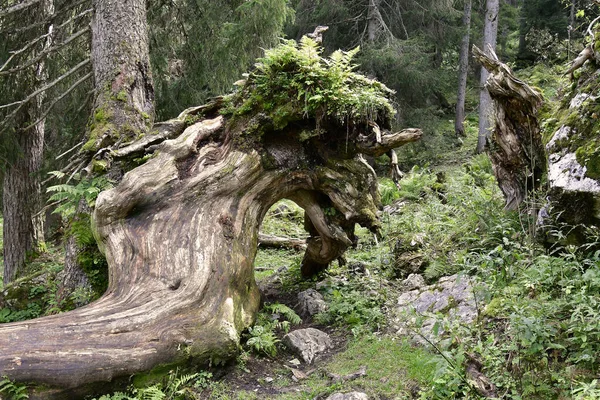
(294, 82)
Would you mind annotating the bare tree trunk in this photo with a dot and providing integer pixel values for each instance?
(490, 31)
(517, 153)
(23, 227)
(124, 103)
(463, 70)
(523, 29)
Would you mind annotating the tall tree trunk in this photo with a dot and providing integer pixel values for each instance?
(490, 31)
(124, 103)
(463, 70)
(23, 228)
(523, 29)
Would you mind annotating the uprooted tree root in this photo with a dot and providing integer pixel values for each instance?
(180, 234)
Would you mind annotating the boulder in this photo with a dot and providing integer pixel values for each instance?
(348, 396)
(311, 302)
(414, 281)
(308, 343)
(451, 300)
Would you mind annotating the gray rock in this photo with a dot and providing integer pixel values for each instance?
(566, 173)
(450, 300)
(311, 302)
(348, 396)
(413, 281)
(308, 343)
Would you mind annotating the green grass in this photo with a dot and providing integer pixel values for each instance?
(394, 368)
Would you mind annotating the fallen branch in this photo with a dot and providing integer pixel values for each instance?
(388, 141)
(280, 242)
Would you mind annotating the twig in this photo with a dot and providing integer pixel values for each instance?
(44, 53)
(56, 100)
(18, 7)
(70, 150)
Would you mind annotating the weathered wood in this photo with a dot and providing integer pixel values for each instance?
(180, 234)
(515, 147)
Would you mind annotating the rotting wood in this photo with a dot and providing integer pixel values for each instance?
(515, 147)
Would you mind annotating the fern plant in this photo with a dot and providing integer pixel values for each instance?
(68, 196)
(13, 390)
(262, 338)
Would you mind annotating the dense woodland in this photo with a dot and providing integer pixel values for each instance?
(187, 184)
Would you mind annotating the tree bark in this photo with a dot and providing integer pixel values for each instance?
(23, 230)
(180, 234)
(490, 32)
(124, 104)
(516, 149)
(463, 71)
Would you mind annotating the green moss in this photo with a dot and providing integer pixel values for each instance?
(588, 155)
(99, 166)
(293, 82)
(122, 96)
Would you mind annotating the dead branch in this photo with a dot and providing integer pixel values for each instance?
(44, 53)
(280, 242)
(31, 96)
(44, 36)
(17, 7)
(59, 98)
(586, 54)
(388, 141)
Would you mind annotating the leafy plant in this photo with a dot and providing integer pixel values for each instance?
(356, 304)
(261, 337)
(262, 340)
(68, 196)
(294, 82)
(13, 390)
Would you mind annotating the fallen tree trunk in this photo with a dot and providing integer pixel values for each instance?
(180, 234)
(279, 242)
(515, 147)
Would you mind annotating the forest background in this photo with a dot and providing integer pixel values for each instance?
(199, 49)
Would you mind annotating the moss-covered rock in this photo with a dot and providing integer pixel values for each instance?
(574, 154)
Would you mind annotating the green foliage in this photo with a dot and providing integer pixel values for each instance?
(542, 314)
(356, 304)
(176, 386)
(12, 390)
(262, 338)
(69, 196)
(294, 82)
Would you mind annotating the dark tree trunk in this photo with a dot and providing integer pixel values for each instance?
(517, 153)
(490, 32)
(23, 228)
(124, 103)
(21, 201)
(463, 70)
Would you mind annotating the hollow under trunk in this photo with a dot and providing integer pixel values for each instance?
(180, 234)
